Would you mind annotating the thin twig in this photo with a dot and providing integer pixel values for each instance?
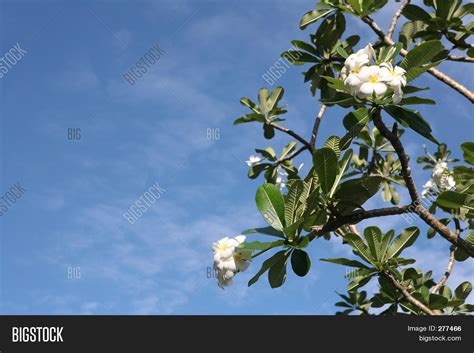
(291, 156)
(396, 17)
(408, 296)
(317, 122)
(462, 59)
(436, 73)
(450, 266)
(449, 269)
(291, 133)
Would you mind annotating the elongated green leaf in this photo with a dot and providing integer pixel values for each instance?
(262, 100)
(460, 255)
(248, 103)
(417, 100)
(257, 245)
(313, 16)
(277, 272)
(343, 165)
(275, 97)
(453, 199)
(346, 262)
(291, 202)
(421, 54)
(373, 235)
(406, 238)
(326, 166)
(468, 149)
(355, 121)
(271, 205)
(413, 12)
(266, 231)
(333, 143)
(463, 290)
(300, 262)
(358, 191)
(412, 119)
(359, 245)
(437, 302)
(266, 265)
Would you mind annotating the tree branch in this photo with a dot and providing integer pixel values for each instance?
(293, 155)
(292, 133)
(462, 59)
(446, 275)
(408, 296)
(417, 207)
(450, 266)
(317, 122)
(396, 17)
(436, 73)
(356, 218)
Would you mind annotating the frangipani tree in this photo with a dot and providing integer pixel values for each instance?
(375, 85)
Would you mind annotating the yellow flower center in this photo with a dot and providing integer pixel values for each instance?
(373, 79)
(238, 257)
(356, 70)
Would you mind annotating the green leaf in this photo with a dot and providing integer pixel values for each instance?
(343, 165)
(248, 103)
(262, 99)
(271, 205)
(257, 245)
(421, 54)
(313, 16)
(275, 97)
(467, 9)
(266, 230)
(374, 240)
(406, 238)
(346, 262)
(248, 118)
(326, 166)
(358, 191)
(333, 143)
(266, 265)
(355, 121)
(359, 245)
(437, 302)
(463, 290)
(416, 100)
(300, 262)
(468, 149)
(298, 44)
(460, 255)
(414, 13)
(277, 273)
(453, 199)
(412, 119)
(268, 131)
(291, 201)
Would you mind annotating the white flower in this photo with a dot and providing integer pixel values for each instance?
(372, 80)
(440, 168)
(395, 76)
(223, 249)
(428, 188)
(447, 183)
(253, 161)
(229, 259)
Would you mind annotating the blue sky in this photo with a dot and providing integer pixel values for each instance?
(156, 132)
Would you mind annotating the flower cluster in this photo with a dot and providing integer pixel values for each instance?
(366, 79)
(229, 259)
(441, 180)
